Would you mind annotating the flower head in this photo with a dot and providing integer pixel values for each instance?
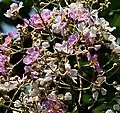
(14, 9)
(32, 56)
(72, 39)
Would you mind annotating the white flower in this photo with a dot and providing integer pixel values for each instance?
(45, 45)
(13, 8)
(17, 103)
(116, 49)
(116, 107)
(117, 87)
(55, 28)
(110, 28)
(111, 38)
(95, 95)
(103, 91)
(93, 31)
(109, 111)
(67, 66)
(63, 48)
(68, 96)
(58, 47)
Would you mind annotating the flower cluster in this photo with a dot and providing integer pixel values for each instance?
(59, 59)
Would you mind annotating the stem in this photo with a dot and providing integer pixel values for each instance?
(43, 21)
(80, 82)
(14, 97)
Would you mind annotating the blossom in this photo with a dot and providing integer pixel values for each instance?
(72, 14)
(109, 111)
(46, 15)
(8, 39)
(66, 46)
(52, 106)
(32, 56)
(36, 22)
(27, 69)
(112, 38)
(45, 45)
(57, 27)
(63, 47)
(94, 61)
(68, 96)
(3, 60)
(14, 8)
(72, 39)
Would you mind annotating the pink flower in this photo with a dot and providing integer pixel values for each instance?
(72, 39)
(32, 56)
(13, 8)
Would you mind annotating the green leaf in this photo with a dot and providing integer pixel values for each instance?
(116, 20)
(6, 1)
(85, 99)
(99, 108)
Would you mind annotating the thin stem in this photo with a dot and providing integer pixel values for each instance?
(14, 96)
(80, 80)
(50, 34)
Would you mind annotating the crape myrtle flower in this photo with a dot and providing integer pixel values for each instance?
(67, 46)
(27, 69)
(98, 87)
(64, 47)
(53, 105)
(32, 56)
(57, 27)
(72, 39)
(3, 60)
(8, 40)
(77, 12)
(5, 54)
(58, 23)
(94, 61)
(35, 21)
(38, 22)
(14, 10)
(46, 15)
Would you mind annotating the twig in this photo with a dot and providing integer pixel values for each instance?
(14, 96)
(43, 21)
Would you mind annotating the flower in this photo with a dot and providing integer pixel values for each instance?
(36, 21)
(32, 56)
(72, 39)
(14, 9)
(68, 96)
(109, 111)
(94, 61)
(52, 106)
(63, 47)
(3, 60)
(45, 45)
(46, 15)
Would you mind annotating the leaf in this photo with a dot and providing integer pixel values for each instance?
(99, 108)
(84, 63)
(86, 99)
(6, 1)
(116, 20)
